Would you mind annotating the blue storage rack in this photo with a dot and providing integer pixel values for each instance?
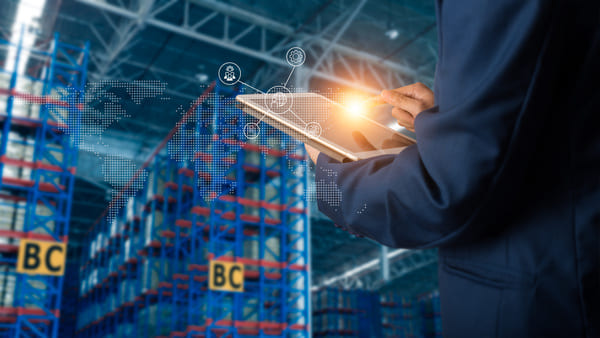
(401, 316)
(370, 324)
(431, 314)
(346, 313)
(39, 185)
(360, 313)
(146, 273)
(69, 306)
(411, 317)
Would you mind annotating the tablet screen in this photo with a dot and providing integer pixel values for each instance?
(326, 119)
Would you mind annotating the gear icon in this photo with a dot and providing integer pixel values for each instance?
(295, 56)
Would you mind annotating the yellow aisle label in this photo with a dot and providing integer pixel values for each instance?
(41, 257)
(226, 276)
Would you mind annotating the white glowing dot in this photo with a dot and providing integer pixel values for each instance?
(355, 107)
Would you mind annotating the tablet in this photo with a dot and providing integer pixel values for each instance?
(324, 124)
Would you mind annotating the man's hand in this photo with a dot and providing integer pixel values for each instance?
(408, 102)
(312, 153)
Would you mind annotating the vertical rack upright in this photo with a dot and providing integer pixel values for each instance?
(38, 155)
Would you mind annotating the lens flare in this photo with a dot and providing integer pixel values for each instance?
(355, 106)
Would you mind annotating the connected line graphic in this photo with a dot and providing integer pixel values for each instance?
(107, 102)
(282, 99)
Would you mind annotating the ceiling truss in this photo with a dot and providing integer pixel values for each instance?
(375, 274)
(359, 66)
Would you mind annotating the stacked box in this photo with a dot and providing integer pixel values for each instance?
(8, 282)
(19, 148)
(12, 216)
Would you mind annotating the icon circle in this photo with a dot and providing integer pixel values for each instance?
(295, 56)
(229, 73)
(280, 99)
(313, 129)
(251, 130)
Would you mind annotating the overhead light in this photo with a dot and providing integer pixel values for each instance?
(392, 34)
(28, 14)
(202, 77)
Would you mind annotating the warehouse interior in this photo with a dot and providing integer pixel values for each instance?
(119, 186)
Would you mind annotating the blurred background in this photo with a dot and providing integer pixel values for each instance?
(92, 96)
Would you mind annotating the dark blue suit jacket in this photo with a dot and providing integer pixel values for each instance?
(505, 176)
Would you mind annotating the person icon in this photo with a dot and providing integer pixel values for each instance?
(229, 74)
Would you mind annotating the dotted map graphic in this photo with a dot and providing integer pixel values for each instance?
(101, 109)
(194, 141)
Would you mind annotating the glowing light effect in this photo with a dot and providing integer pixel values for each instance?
(356, 106)
(392, 34)
(28, 15)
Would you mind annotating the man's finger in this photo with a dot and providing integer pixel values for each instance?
(417, 91)
(374, 101)
(402, 101)
(404, 118)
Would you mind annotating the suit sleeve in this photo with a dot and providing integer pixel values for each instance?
(482, 125)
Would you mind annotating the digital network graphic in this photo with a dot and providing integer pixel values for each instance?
(279, 100)
(106, 103)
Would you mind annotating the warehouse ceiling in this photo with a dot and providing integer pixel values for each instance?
(183, 43)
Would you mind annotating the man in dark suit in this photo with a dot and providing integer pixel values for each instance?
(505, 175)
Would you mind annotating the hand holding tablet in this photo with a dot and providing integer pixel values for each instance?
(326, 125)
